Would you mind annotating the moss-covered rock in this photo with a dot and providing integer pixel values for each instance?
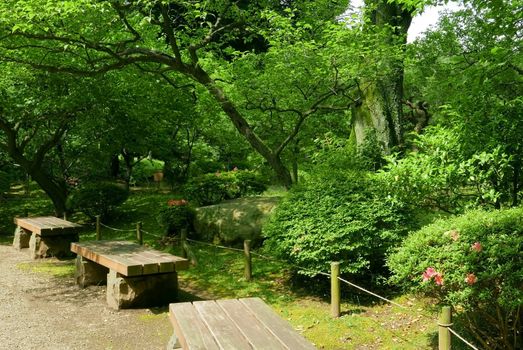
(234, 220)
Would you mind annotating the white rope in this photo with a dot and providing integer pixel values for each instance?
(152, 234)
(461, 338)
(371, 293)
(116, 229)
(214, 245)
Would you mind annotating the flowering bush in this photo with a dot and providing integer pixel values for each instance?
(473, 262)
(175, 216)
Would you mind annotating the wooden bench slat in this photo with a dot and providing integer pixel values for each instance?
(47, 225)
(192, 332)
(111, 261)
(276, 325)
(164, 263)
(148, 267)
(252, 329)
(225, 332)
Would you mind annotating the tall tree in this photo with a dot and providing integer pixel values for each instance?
(162, 37)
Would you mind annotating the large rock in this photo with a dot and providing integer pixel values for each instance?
(235, 220)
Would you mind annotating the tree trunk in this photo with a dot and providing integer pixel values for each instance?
(56, 192)
(381, 109)
(243, 127)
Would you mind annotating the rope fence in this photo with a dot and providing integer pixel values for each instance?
(444, 323)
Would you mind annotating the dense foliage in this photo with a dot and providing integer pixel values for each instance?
(213, 188)
(473, 262)
(97, 198)
(175, 216)
(337, 216)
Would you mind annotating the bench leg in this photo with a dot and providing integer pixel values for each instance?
(58, 246)
(21, 239)
(141, 291)
(89, 273)
(174, 343)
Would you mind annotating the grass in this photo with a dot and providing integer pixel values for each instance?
(59, 269)
(365, 323)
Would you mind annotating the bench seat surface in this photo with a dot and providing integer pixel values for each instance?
(240, 324)
(129, 259)
(47, 225)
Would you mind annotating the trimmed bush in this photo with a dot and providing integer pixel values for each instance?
(336, 216)
(473, 262)
(175, 216)
(143, 172)
(97, 198)
(214, 188)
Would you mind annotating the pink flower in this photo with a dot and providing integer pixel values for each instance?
(429, 273)
(471, 279)
(454, 234)
(177, 202)
(476, 246)
(438, 278)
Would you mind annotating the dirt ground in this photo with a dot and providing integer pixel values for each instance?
(40, 311)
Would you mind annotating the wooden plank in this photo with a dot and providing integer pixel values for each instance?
(252, 329)
(149, 267)
(224, 331)
(111, 261)
(165, 264)
(47, 225)
(280, 328)
(190, 329)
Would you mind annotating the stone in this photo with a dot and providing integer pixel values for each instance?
(21, 239)
(51, 246)
(235, 220)
(141, 291)
(89, 273)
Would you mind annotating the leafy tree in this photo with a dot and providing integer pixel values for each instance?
(190, 38)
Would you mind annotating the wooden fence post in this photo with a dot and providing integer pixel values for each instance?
(26, 213)
(335, 289)
(445, 321)
(183, 242)
(139, 235)
(65, 216)
(248, 259)
(98, 231)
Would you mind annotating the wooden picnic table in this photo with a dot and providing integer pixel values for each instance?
(45, 236)
(135, 275)
(232, 324)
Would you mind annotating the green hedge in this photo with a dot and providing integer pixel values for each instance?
(97, 198)
(336, 216)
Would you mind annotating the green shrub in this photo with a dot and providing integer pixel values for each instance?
(477, 258)
(97, 198)
(213, 188)
(336, 216)
(175, 216)
(143, 172)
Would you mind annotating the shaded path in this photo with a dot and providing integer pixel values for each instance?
(38, 311)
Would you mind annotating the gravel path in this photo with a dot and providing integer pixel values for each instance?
(39, 311)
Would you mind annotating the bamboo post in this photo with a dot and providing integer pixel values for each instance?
(335, 289)
(139, 235)
(445, 321)
(183, 242)
(98, 231)
(248, 259)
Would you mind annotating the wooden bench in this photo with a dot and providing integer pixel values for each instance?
(45, 236)
(136, 276)
(234, 324)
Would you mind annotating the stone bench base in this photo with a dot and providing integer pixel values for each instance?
(51, 246)
(21, 239)
(127, 292)
(141, 291)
